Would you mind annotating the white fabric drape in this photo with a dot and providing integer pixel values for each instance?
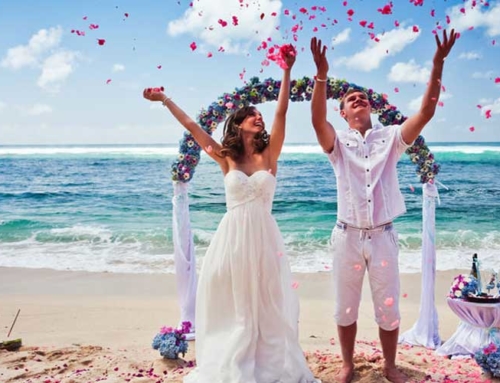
(184, 257)
(474, 331)
(425, 331)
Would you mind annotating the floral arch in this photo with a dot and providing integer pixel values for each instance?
(256, 92)
(425, 330)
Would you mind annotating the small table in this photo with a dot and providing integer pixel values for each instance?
(474, 331)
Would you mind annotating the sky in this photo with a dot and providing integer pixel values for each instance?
(73, 72)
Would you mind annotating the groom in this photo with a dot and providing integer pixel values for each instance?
(364, 159)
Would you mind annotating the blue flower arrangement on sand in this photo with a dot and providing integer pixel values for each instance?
(463, 285)
(489, 357)
(257, 92)
(172, 342)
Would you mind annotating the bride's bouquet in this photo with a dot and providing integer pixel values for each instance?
(172, 342)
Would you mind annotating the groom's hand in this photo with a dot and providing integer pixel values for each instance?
(318, 51)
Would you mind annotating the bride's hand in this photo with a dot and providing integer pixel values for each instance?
(154, 94)
(288, 53)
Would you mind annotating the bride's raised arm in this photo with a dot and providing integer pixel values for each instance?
(211, 147)
(277, 136)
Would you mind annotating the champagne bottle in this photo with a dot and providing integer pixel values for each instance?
(476, 273)
(474, 269)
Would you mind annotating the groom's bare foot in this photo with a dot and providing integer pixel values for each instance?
(345, 374)
(394, 375)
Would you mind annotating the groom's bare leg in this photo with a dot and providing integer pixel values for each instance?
(347, 338)
(389, 341)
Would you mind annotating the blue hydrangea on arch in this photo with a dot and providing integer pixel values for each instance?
(257, 92)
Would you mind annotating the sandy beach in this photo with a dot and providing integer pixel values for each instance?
(88, 327)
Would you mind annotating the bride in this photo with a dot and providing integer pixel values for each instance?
(246, 309)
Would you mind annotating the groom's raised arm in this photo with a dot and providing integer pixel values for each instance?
(324, 130)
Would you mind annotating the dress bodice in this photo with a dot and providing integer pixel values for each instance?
(256, 188)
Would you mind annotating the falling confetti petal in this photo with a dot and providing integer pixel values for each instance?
(295, 285)
(405, 295)
(101, 41)
(472, 128)
(389, 301)
(192, 46)
(357, 267)
(108, 81)
(395, 323)
(348, 310)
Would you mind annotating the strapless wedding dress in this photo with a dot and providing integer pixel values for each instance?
(247, 310)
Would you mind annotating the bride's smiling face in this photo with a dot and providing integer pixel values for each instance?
(253, 122)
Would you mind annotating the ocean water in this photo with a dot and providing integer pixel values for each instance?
(108, 208)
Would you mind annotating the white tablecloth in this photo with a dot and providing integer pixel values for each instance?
(474, 331)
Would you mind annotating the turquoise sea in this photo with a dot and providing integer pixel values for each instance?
(108, 208)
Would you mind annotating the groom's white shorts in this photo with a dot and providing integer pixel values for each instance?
(354, 251)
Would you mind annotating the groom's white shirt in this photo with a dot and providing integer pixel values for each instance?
(368, 192)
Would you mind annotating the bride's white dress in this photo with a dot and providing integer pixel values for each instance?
(246, 309)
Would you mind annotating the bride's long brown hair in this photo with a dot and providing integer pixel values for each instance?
(232, 143)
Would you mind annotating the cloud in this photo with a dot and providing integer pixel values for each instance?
(342, 37)
(38, 109)
(408, 72)
(414, 105)
(118, 68)
(201, 21)
(469, 56)
(494, 106)
(477, 17)
(56, 69)
(488, 74)
(29, 55)
(374, 53)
